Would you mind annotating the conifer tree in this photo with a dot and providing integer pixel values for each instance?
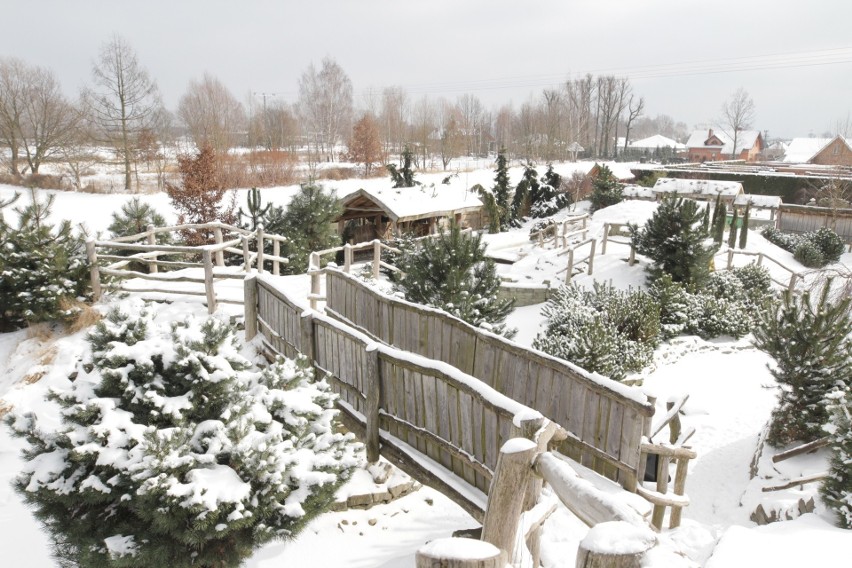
(744, 229)
(809, 340)
(132, 219)
(256, 210)
(500, 190)
(451, 272)
(836, 489)
(43, 267)
(717, 209)
(526, 193)
(732, 233)
(705, 220)
(174, 451)
(721, 218)
(674, 240)
(606, 190)
(403, 177)
(308, 225)
(550, 198)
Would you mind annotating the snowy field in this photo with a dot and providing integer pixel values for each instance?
(728, 383)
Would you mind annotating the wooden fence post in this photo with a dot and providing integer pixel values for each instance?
(792, 286)
(730, 258)
(459, 553)
(505, 501)
(372, 403)
(760, 259)
(207, 259)
(592, 257)
(605, 235)
(631, 260)
(246, 255)
(615, 544)
(250, 290)
(220, 255)
(260, 255)
(569, 273)
(314, 271)
(94, 270)
(306, 337)
(347, 258)
(276, 252)
(377, 258)
(152, 240)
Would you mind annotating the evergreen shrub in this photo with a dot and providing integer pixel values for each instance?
(836, 489)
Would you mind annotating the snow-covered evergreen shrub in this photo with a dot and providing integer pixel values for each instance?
(43, 268)
(451, 272)
(810, 342)
(809, 254)
(786, 241)
(605, 330)
(836, 489)
(606, 190)
(176, 452)
(550, 197)
(828, 242)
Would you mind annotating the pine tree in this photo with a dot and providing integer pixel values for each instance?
(43, 267)
(720, 217)
(674, 240)
(500, 190)
(175, 452)
(809, 340)
(133, 219)
(308, 225)
(549, 197)
(451, 272)
(732, 233)
(526, 193)
(744, 229)
(403, 177)
(705, 220)
(836, 489)
(717, 209)
(606, 190)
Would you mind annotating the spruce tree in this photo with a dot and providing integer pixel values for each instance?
(606, 190)
(549, 198)
(836, 489)
(404, 176)
(809, 340)
(674, 239)
(526, 193)
(174, 451)
(451, 272)
(744, 229)
(500, 190)
(308, 225)
(732, 233)
(43, 268)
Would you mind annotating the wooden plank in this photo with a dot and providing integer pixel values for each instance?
(466, 408)
(478, 435)
(390, 383)
(443, 418)
(590, 423)
(454, 425)
(612, 445)
(492, 433)
(429, 404)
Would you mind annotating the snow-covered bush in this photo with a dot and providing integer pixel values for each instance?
(43, 268)
(836, 489)
(787, 241)
(828, 242)
(813, 249)
(810, 342)
(606, 190)
(605, 330)
(808, 253)
(176, 452)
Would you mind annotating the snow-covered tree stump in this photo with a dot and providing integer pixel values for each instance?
(460, 553)
(615, 544)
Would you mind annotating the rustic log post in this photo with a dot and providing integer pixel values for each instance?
(730, 258)
(94, 270)
(250, 311)
(793, 279)
(646, 432)
(505, 501)
(276, 252)
(220, 254)
(605, 237)
(377, 258)
(662, 487)
(372, 403)
(585, 217)
(260, 256)
(592, 257)
(570, 271)
(246, 254)
(631, 260)
(152, 240)
(460, 553)
(207, 260)
(679, 489)
(347, 258)
(615, 544)
(528, 428)
(760, 259)
(541, 239)
(314, 271)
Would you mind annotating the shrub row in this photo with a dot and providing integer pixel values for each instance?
(814, 249)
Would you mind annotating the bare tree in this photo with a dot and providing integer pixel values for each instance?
(737, 114)
(325, 104)
(634, 111)
(423, 126)
(211, 114)
(13, 94)
(122, 100)
(452, 140)
(78, 153)
(394, 118)
(49, 119)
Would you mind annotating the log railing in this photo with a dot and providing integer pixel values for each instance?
(589, 258)
(788, 283)
(558, 232)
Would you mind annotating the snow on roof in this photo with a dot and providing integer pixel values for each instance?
(801, 150)
(766, 201)
(637, 212)
(698, 186)
(638, 192)
(657, 141)
(745, 140)
(419, 202)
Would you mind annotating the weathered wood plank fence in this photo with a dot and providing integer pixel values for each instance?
(605, 419)
(806, 218)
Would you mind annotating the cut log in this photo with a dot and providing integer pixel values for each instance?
(803, 449)
(615, 545)
(460, 553)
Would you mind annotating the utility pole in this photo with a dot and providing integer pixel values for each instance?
(265, 122)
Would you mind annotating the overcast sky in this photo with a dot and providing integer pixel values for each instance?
(794, 57)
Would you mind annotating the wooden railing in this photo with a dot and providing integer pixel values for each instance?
(558, 232)
(589, 258)
(144, 251)
(605, 419)
(789, 283)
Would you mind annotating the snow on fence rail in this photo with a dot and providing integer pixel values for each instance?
(146, 252)
(789, 283)
(605, 419)
(407, 401)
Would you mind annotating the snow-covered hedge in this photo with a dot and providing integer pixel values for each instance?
(176, 451)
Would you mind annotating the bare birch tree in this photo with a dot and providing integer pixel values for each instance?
(211, 114)
(325, 104)
(122, 100)
(737, 114)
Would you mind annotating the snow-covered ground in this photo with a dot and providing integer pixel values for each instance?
(729, 403)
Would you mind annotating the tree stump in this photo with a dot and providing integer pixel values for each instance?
(460, 553)
(616, 544)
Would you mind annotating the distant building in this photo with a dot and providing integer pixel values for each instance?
(698, 189)
(800, 150)
(710, 146)
(836, 153)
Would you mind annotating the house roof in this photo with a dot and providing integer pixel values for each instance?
(657, 141)
(760, 201)
(409, 203)
(708, 187)
(842, 139)
(801, 150)
(745, 140)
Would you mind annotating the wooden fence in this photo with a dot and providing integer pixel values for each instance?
(605, 419)
(805, 218)
(412, 403)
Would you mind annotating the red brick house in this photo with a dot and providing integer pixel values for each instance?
(710, 146)
(835, 153)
